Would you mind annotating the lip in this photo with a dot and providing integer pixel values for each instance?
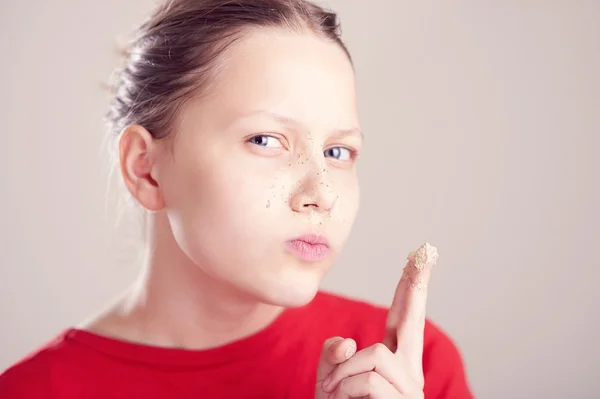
(309, 247)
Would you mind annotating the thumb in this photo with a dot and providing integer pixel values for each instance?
(335, 350)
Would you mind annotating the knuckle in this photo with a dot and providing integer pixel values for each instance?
(343, 385)
(336, 375)
(379, 350)
(372, 379)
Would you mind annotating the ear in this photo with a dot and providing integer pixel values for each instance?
(137, 156)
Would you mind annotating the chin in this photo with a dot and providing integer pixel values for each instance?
(297, 298)
(298, 292)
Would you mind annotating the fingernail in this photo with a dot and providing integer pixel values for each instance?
(350, 351)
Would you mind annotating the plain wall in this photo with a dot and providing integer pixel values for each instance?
(482, 124)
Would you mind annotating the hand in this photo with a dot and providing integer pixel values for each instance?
(336, 350)
(394, 368)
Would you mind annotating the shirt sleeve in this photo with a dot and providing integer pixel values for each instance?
(25, 381)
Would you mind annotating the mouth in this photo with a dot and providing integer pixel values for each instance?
(309, 248)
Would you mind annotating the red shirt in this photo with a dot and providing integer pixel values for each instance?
(277, 362)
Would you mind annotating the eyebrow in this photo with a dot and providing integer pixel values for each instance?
(285, 120)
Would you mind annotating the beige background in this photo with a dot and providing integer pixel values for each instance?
(482, 130)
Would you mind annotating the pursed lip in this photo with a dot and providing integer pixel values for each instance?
(309, 247)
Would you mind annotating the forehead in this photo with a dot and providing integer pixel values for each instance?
(300, 75)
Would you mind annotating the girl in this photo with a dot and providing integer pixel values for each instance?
(238, 133)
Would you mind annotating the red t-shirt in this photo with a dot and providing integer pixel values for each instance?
(278, 362)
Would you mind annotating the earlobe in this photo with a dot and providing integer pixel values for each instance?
(137, 157)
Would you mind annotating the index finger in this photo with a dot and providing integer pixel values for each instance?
(406, 317)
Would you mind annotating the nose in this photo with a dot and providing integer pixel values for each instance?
(314, 192)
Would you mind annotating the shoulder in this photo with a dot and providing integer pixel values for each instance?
(33, 376)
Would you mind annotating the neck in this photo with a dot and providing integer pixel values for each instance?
(175, 304)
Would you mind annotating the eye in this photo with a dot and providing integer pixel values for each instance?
(264, 140)
(339, 153)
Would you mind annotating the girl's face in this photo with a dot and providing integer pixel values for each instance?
(266, 158)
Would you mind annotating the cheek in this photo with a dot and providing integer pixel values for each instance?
(224, 218)
(348, 192)
(232, 204)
